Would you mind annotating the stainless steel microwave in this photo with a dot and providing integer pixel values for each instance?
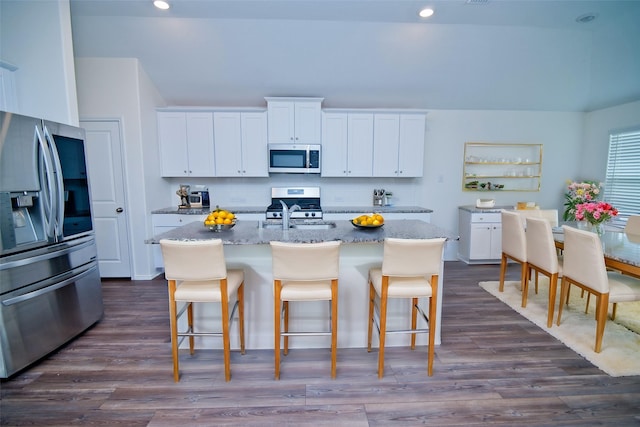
(294, 158)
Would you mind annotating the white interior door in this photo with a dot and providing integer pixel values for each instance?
(104, 153)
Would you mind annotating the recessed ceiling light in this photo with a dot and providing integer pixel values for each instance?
(161, 4)
(425, 13)
(587, 17)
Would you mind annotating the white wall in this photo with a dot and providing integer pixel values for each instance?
(38, 41)
(119, 89)
(598, 126)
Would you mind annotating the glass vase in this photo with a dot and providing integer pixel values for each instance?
(597, 228)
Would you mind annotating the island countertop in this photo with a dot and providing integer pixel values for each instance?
(325, 209)
(250, 233)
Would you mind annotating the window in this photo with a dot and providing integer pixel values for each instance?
(622, 182)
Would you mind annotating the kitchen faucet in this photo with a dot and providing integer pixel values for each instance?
(286, 214)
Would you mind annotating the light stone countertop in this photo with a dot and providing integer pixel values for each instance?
(325, 209)
(249, 233)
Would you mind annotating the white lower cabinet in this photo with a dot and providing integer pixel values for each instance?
(480, 237)
(162, 223)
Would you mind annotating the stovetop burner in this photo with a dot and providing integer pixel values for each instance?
(308, 198)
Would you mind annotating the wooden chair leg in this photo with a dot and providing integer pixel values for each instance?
(553, 285)
(383, 325)
(372, 297)
(414, 321)
(276, 328)
(173, 312)
(613, 313)
(503, 271)
(285, 305)
(224, 303)
(564, 296)
(334, 326)
(432, 323)
(586, 308)
(241, 316)
(536, 281)
(524, 282)
(602, 305)
(190, 325)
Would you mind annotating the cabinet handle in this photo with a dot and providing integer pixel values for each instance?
(119, 210)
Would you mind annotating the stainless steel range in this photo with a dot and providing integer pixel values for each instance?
(302, 202)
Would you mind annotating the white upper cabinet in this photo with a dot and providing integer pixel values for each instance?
(240, 144)
(398, 145)
(347, 144)
(294, 120)
(186, 144)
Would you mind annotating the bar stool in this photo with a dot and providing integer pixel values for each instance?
(304, 272)
(196, 272)
(410, 269)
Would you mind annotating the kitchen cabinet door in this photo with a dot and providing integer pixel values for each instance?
(254, 144)
(200, 144)
(228, 143)
(399, 145)
(334, 144)
(294, 120)
(347, 144)
(386, 138)
(411, 145)
(186, 144)
(240, 144)
(480, 237)
(360, 147)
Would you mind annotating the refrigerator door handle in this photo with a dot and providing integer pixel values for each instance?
(46, 170)
(75, 275)
(59, 212)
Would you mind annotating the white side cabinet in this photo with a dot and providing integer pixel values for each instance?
(294, 120)
(398, 148)
(480, 237)
(162, 223)
(347, 144)
(186, 144)
(240, 144)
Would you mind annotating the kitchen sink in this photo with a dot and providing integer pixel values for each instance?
(320, 225)
(314, 226)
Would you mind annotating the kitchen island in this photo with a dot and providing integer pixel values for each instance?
(247, 247)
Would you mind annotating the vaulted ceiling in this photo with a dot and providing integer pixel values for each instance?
(471, 54)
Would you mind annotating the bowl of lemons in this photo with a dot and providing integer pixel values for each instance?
(220, 220)
(368, 221)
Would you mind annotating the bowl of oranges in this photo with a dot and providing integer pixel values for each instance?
(220, 220)
(368, 221)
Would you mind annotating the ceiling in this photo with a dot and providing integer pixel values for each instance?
(477, 54)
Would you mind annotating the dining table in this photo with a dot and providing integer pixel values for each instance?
(621, 250)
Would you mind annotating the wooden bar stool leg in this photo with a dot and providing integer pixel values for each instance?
(414, 321)
(286, 326)
(190, 324)
(334, 326)
(383, 324)
(372, 298)
(224, 303)
(173, 312)
(241, 316)
(276, 328)
(432, 322)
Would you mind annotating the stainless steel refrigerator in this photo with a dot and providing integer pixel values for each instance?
(50, 288)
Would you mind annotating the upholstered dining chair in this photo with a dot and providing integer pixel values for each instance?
(633, 225)
(514, 247)
(304, 272)
(410, 269)
(197, 273)
(542, 258)
(584, 267)
(550, 215)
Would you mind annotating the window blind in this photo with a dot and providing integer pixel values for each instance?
(622, 182)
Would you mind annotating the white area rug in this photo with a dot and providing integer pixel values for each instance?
(620, 355)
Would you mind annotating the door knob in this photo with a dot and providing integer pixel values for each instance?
(119, 210)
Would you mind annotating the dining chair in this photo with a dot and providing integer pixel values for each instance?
(514, 247)
(633, 225)
(197, 273)
(550, 215)
(543, 258)
(304, 272)
(584, 267)
(410, 269)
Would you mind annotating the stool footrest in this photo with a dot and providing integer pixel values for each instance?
(308, 334)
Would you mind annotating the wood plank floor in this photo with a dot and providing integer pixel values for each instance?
(493, 367)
